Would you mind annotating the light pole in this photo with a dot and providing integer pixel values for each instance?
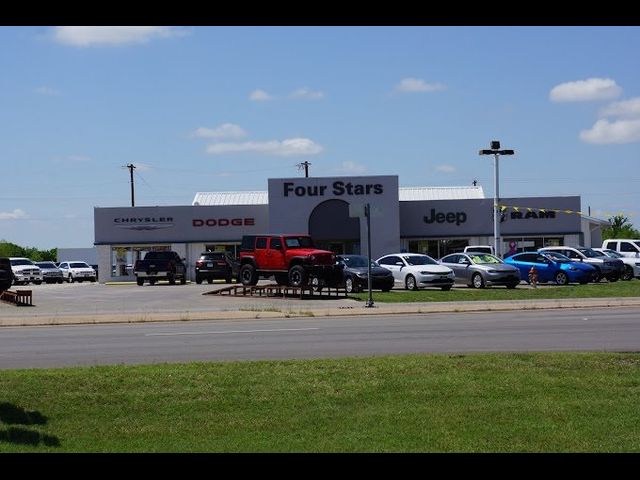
(496, 152)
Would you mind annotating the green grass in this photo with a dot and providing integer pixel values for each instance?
(604, 289)
(569, 402)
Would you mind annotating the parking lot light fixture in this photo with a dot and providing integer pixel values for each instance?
(496, 152)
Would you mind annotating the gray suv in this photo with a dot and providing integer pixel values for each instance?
(609, 268)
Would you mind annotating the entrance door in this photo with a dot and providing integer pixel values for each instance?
(333, 229)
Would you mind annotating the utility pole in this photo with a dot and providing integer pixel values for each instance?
(131, 167)
(367, 211)
(306, 165)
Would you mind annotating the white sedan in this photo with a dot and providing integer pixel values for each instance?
(416, 270)
(77, 271)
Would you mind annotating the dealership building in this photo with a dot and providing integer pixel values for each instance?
(431, 220)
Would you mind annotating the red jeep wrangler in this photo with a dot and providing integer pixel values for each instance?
(292, 259)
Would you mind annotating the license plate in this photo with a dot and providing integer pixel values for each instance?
(209, 265)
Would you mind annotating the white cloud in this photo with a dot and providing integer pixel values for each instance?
(585, 90)
(44, 90)
(143, 167)
(226, 130)
(289, 147)
(412, 85)
(353, 168)
(625, 108)
(111, 36)
(16, 214)
(305, 93)
(605, 132)
(445, 169)
(259, 96)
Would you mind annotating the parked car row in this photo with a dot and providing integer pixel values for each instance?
(25, 271)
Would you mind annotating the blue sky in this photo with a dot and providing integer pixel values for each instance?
(226, 108)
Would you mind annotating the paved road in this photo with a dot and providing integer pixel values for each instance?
(610, 329)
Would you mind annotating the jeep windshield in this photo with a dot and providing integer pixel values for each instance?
(298, 242)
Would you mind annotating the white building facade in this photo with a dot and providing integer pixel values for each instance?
(432, 220)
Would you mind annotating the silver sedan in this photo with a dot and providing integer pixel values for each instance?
(478, 270)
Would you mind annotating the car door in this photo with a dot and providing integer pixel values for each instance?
(276, 255)
(396, 265)
(546, 268)
(524, 262)
(64, 268)
(459, 264)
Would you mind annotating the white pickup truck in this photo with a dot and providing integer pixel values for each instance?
(25, 271)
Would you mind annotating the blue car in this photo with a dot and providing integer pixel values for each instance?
(552, 267)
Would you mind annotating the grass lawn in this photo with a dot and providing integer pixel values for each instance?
(629, 288)
(542, 402)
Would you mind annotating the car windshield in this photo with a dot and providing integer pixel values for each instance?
(79, 265)
(21, 261)
(484, 259)
(557, 257)
(298, 242)
(212, 256)
(46, 264)
(589, 253)
(613, 254)
(357, 261)
(419, 260)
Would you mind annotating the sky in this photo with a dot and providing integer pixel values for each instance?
(203, 109)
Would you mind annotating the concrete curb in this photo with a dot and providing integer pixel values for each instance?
(360, 309)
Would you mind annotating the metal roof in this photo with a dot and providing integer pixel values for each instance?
(231, 198)
(415, 194)
(406, 194)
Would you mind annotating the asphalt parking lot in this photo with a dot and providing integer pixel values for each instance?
(87, 302)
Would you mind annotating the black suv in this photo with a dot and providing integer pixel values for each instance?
(6, 274)
(213, 265)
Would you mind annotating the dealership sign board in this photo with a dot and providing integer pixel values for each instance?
(535, 215)
(293, 202)
(178, 223)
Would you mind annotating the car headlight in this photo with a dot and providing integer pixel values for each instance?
(492, 271)
(361, 274)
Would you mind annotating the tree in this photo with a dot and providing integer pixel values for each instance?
(620, 227)
(8, 249)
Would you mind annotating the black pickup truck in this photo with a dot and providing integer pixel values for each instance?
(6, 274)
(160, 266)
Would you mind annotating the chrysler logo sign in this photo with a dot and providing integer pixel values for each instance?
(143, 223)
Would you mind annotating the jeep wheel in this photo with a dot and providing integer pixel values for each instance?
(297, 276)
(198, 279)
(248, 275)
(140, 281)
